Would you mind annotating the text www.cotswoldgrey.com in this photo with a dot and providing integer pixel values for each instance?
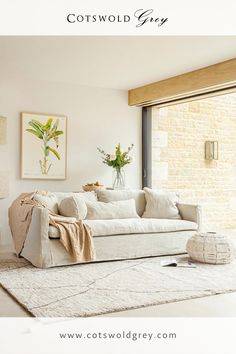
(122, 335)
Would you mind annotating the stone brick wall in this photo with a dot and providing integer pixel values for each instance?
(178, 140)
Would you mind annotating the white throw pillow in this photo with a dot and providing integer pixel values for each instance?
(114, 210)
(161, 204)
(73, 206)
(117, 195)
(48, 200)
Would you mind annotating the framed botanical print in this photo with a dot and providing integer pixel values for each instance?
(43, 146)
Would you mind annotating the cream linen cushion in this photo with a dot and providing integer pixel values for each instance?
(107, 196)
(114, 210)
(48, 200)
(161, 205)
(73, 206)
(138, 226)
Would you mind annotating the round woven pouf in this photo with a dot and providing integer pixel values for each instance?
(210, 247)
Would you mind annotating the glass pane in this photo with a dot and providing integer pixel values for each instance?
(179, 134)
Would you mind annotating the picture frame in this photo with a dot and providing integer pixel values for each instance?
(43, 146)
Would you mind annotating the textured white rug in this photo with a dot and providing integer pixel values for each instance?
(92, 289)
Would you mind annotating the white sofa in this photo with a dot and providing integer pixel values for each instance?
(114, 239)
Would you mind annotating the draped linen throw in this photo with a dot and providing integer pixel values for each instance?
(75, 237)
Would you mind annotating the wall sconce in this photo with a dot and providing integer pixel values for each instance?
(4, 185)
(211, 150)
(3, 130)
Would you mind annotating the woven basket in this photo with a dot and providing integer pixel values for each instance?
(211, 248)
(92, 188)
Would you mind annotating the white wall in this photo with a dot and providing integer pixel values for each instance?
(96, 117)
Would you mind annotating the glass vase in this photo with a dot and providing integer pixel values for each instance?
(118, 178)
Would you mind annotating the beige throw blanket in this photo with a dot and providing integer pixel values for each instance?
(75, 237)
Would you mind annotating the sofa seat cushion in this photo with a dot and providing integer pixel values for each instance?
(136, 226)
(132, 226)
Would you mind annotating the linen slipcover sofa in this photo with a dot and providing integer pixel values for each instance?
(114, 239)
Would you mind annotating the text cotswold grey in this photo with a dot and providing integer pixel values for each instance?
(142, 17)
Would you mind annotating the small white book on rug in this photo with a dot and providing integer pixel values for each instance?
(173, 262)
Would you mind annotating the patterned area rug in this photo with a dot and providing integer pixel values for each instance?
(94, 289)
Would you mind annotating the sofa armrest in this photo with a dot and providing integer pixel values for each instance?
(40, 222)
(191, 212)
(36, 248)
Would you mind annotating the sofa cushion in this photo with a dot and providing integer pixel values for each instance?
(49, 200)
(73, 206)
(107, 196)
(122, 209)
(52, 199)
(161, 204)
(133, 226)
(87, 196)
(53, 232)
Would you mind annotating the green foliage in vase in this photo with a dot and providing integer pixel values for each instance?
(119, 159)
(47, 133)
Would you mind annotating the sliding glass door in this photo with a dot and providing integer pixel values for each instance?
(176, 160)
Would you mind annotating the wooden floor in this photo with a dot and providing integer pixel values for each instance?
(223, 305)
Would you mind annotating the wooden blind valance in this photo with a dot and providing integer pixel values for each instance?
(212, 78)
